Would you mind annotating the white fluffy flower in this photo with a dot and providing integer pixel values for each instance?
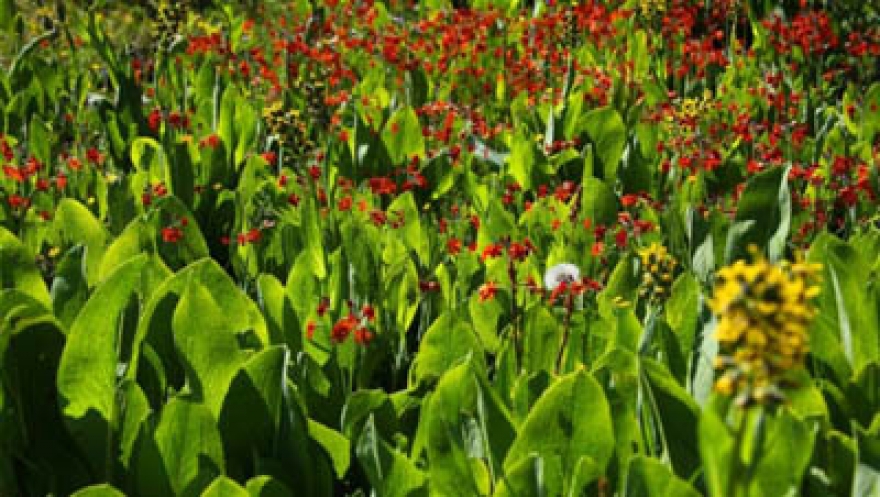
(565, 272)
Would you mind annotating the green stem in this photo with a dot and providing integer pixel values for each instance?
(736, 466)
(759, 432)
(566, 328)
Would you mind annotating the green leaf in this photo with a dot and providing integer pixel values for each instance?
(598, 202)
(102, 490)
(866, 481)
(87, 373)
(678, 414)
(132, 242)
(7, 14)
(251, 414)
(524, 479)
(18, 269)
(460, 435)
(334, 444)
(521, 160)
(402, 135)
(189, 446)
(70, 291)
(847, 314)
(785, 456)
(716, 449)
(313, 239)
(763, 216)
(648, 477)
(78, 225)
(606, 129)
(40, 140)
(155, 327)
(267, 486)
(446, 343)
(413, 236)
(682, 311)
(571, 421)
(390, 473)
(222, 486)
(208, 346)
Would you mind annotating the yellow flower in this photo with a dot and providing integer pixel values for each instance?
(764, 311)
(658, 268)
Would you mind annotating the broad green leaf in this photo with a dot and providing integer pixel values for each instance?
(606, 129)
(458, 439)
(7, 14)
(207, 345)
(251, 414)
(847, 313)
(682, 311)
(89, 368)
(598, 202)
(571, 420)
(521, 160)
(313, 240)
(866, 481)
(390, 473)
(133, 241)
(102, 490)
(18, 269)
(524, 478)
(403, 135)
(648, 477)
(78, 225)
(785, 456)
(678, 414)
(447, 342)
(189, 446)
(763, 216)
(716, 449)
(413, 235)
(222, 486)
(334, 444)
(237, 313)
(267, 486)
(70, 290)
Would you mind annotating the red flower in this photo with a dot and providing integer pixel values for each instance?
(343, 328)
(491, 250)
(93, 156)
(254, 235)
(487, 291)
(629, 200)
(363, 336)
(211, 141)
(17, 201)
(620, 238)
(154, 119)
(453, 246)
(172, 234)
(368, 312)
(310, 329)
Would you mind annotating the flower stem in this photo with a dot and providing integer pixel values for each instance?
(566, 329)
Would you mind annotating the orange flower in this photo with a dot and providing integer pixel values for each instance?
(488, 291)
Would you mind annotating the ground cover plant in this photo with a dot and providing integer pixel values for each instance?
(507, 248)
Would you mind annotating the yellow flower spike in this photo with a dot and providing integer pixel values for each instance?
(657, 276)
(763, 312)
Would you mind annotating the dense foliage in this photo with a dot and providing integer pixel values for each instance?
(400, 248)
